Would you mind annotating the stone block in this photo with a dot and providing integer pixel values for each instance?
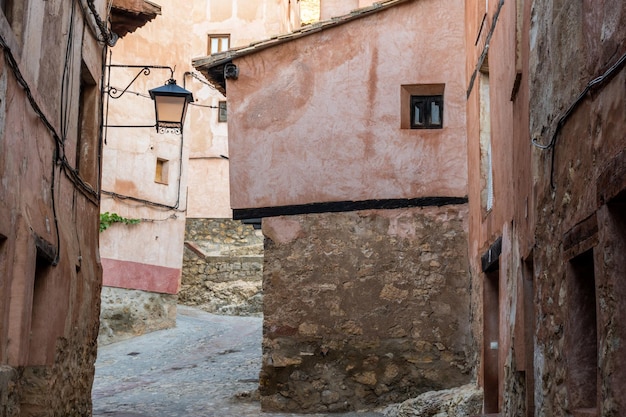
(382, 315)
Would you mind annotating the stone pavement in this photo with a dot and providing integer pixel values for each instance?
(207, 366)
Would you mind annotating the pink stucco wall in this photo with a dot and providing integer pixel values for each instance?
(140, 276)
(317, 119)
(50, 272)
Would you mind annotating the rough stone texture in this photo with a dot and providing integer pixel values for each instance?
(222, 232)
(464, 401)
(127, 313)
(222, 267)
(574, 42)
(63, 389)
(364, 308)
(9, 403)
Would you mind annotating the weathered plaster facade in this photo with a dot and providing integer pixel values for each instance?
(547, 259)
(305, 145)
(194, 166)
(501, 220)
(318, 133)
(50, 273)
(580, 234)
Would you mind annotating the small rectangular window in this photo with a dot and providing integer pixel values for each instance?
(421, 106)
(221, 115)
(161, 172)
(218, 43)
(426, 112)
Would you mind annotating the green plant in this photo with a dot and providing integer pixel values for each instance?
(107, 219)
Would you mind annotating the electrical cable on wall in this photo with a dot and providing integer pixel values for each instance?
(142, 201)
(70, 172)
(596, 83)
(175, 206)
(113, 92)
(483, 55)
(98, 27)
(197, 77)
(59, 157)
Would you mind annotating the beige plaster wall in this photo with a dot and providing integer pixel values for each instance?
(247, 20)
(334, 8)
(130, 154)
(318, 119)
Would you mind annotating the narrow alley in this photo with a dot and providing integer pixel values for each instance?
(208, 365)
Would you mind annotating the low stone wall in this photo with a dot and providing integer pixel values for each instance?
(127, 313)
(222, 232)
(363, 309)
(222, 267)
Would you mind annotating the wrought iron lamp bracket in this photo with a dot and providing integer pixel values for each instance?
(115, 93)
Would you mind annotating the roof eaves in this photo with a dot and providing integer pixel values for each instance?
(128, 15)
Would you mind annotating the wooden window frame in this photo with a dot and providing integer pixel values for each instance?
(161, 172)
(407, 94)
(220, 37)
(425, 103)
(222, 112)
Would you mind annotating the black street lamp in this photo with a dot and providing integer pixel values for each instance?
(170, 105)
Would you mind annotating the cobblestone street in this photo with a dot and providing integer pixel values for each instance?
(207, 366)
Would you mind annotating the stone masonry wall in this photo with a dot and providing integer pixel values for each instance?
(9, 402)
(579, 242)
(364, 308)
(222, 267)
(127, 313)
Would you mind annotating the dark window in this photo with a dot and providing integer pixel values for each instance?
(221, 115)
(426, 112)
(7, 8)
(14, 12)
(87, 138)
(581, 333)
(491, 340)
